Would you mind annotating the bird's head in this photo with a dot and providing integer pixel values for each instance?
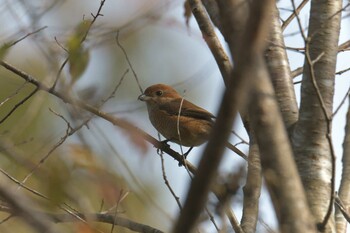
(159, 93)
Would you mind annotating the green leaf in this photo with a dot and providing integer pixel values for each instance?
(78, 55)
(78, 62)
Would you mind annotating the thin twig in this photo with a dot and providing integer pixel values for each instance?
(145, 196)
(128, 60)
(292, 16)
(341, 102)
(60, 45)
(94, 18)
(121, 197)
(344, 46)
(112, 95)
(21, 206)
(42, 196)
(20, 103)
(342, 207)
(27, 35)
(6, 219)
(177, 199)
(243, 141)
(298, 71)
(301, 30)
(343, 71)
(104, 218)
(69, 131)
(58, 75)
(13, 94)
(178, 123)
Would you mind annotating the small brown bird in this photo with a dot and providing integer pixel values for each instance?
(177, 119)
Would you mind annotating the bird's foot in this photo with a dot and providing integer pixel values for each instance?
(187, 152)
(184, 157)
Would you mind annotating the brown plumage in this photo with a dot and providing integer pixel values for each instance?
(177, 119)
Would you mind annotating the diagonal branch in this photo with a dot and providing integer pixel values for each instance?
(209, 35)
(96, 217)
(294, 14)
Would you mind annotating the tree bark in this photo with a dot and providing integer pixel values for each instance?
(278, 166)
(252, 189)
(312, 149)
(280, 74)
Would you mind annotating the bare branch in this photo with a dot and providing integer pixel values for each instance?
(342, 208)
(94, 18)
(252, 190)
(96, 217)
(342, 102)
(69, 131)
(13, 94)
(211, 39)
(36, 193)
(177, 199)
(292, 16)
(128, 60)
(27, 35)
(18, 105)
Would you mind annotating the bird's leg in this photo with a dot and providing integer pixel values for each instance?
(182, 162)
(189, 150)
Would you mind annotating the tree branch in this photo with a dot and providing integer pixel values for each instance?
(235, 93)
(95, 217)
(311, 137)
(209, 35)
(278, 66)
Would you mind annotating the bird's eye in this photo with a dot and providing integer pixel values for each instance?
(159, 93)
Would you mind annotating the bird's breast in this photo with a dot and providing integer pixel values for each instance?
(184, 130)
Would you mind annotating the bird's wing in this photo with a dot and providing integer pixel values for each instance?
(187, 109)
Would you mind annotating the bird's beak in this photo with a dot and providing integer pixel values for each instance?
(142, 97)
